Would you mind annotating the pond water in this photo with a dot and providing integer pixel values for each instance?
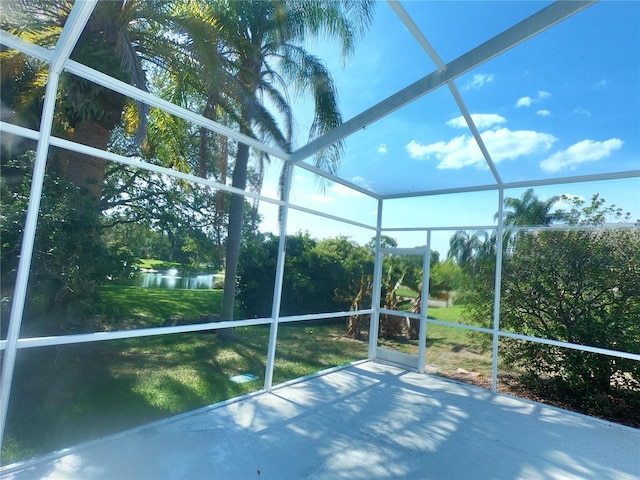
(173, 278)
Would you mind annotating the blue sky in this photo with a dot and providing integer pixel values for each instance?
(564, 103)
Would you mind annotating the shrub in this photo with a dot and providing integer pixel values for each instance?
(69, 259)
(577, 285)
(313, 271)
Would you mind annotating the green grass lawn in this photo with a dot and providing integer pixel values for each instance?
(452, 352)
(155, 264)
(126, 306)
(449, 314)
(73, 393)
(109, 386)
(406, 292)
(106, 387)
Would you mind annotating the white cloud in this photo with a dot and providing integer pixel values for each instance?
(478, 81)
(582, 111)
(299, 178)
(505, 144)
(528, 101)
(482, 120)
(581, 152)
(462, 151)
(458, 152)
(543, 113)
(382, 149)
(361, 181)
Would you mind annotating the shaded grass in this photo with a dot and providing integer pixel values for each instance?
(106, 387)
(457, 353)
(308, 347)
(454, 337)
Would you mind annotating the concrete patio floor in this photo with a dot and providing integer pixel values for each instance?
(369, 420)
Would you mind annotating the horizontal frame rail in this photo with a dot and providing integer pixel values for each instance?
(323, 316)
(106, 155)
(403, 251)
(515, 228)
(596, 177)
(573, 346)
(48, 341)
(138, 94)
(546, 341)
(32, 342)
(131, 161)
(517, 336)
(400, 313)
(310, 211)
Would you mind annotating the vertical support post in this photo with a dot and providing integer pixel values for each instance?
(426, 273)
(73, 28)
(26, 250)
(377, 285)
(496, 293)
(277, 288)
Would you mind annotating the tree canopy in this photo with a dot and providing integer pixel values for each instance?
(239, 63)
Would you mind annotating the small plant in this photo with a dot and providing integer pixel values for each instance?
(391, 325)
(359, 294)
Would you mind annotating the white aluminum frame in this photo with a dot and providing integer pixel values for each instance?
(445, 74)
(78, 18)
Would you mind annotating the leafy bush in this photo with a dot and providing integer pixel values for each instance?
(69, 259)
(313, 271)
(577, 285)
(581, 287)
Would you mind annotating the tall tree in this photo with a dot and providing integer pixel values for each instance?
(528, 209)
(464, 246)
(120, 37)
(267, 39)
(117, 38)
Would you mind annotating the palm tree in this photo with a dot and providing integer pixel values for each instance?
(207, 78)
(464, 247)
(244, 53)
(115, 41)
(528, 210)
(266, 38)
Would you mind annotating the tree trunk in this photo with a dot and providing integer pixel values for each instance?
(203, 161)
(85, 171)
(57, 163)
(223, 159)
(234, 238)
